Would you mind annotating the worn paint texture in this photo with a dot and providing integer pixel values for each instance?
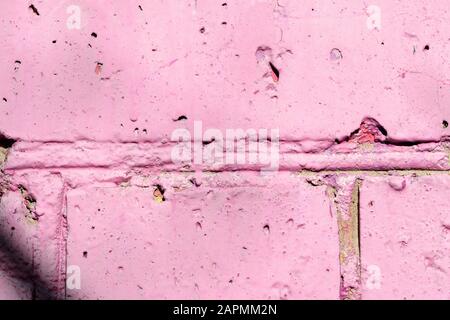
(93, 205)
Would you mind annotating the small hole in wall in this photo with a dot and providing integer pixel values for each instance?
(335, 54)
(158, 193)
(275, 71)
(5, 142)
(205, 143)
(93, 34)
(266, 229)
(17, 63)
(202, 30)
(85, 254)
(382, 130)
(445, 124)
(426, 48)
(34, 9)
(98, 67)
(195, 182)
(180, 118)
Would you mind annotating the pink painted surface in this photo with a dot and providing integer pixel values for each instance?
(246, 241)
(157, 66)
(93, 116)
(405, 225)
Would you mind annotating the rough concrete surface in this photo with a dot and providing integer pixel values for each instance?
(354, 98)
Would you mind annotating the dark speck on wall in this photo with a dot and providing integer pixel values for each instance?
(34, 9)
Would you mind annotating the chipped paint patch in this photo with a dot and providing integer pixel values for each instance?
(30, 204)
(158, 194)
(3, 153)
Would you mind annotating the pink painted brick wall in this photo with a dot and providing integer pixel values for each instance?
(93, 91)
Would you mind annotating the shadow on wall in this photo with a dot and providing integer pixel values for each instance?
(15, 262)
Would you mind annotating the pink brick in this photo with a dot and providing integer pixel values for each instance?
(405, 238)
(210, 242)
(214, 76)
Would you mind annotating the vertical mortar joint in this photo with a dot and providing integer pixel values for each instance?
(345, 198)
